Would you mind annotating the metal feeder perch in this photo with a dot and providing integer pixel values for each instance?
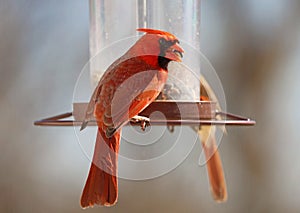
(207, 115)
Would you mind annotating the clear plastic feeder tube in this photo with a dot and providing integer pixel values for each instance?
(181, 18)
(113, 25)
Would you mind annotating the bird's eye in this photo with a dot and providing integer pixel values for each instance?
(162, 41)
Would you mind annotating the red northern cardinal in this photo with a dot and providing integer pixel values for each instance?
(127, 87)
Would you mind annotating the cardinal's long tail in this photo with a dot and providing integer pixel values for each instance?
(101, 187)
(214, 164)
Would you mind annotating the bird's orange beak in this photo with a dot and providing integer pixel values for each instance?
(175, 53)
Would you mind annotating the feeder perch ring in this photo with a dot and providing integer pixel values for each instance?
(175, 113)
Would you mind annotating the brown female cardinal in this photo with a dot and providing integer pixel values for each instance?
(208, 140)
(127, 87)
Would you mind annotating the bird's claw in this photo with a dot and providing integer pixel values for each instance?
(141, 119)
(171, 128)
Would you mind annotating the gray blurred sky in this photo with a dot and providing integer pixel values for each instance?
(253, 45)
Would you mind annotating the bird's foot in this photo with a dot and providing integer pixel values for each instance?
(142, 120)
(171, 128)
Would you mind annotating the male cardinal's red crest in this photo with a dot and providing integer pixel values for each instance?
(127, 87)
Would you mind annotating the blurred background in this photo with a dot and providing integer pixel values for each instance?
(254, 47)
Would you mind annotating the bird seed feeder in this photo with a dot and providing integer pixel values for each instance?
(113, 25)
